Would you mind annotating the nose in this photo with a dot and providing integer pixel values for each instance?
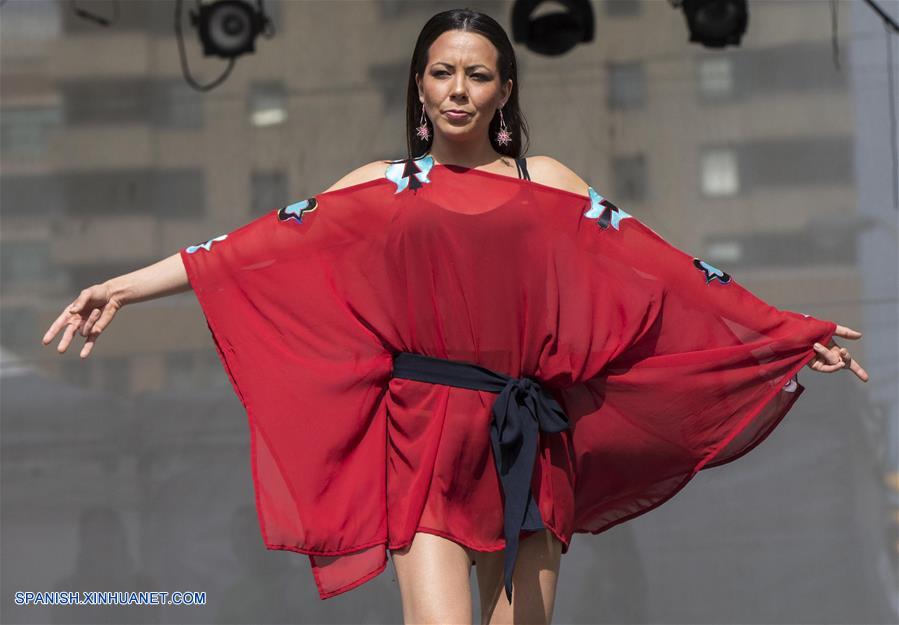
(458, 85)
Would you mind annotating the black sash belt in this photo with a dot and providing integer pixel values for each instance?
(523, 407)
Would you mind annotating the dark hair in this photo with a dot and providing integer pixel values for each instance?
(482, 24)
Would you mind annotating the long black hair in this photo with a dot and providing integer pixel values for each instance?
(482, 24)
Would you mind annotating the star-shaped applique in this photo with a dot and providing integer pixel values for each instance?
(190, 249)
(604, 211)
(410, 174)
(711, 273)
(297, 209)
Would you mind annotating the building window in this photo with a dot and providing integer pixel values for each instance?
(806, 247)
(175, 105)
(629, 177)
(788, 68)
(267, 103)
(627, 85)
(161, 103)
(777, 163)
(720, 175)
(716, 78)
(622, 8)
(788, 162)
(24, 132)
(268, 191)
(106, 101)
(40, 196)
(175, 193)
(30, 21)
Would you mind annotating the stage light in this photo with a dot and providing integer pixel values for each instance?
(228, 28)
(554, 33)
(715, 23)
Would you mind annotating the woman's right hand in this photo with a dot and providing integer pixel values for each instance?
(89, 315)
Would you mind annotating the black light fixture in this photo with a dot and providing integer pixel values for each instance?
(554, 33)
(715, 23)
(228, 28)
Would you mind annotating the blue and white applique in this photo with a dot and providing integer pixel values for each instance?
(190, 249)
(711, 273)
(411, 173)
(297, 209)
(604, 211)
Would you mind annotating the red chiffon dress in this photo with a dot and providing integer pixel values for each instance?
(663, 363)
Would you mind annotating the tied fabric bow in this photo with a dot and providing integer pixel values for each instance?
(522, 408)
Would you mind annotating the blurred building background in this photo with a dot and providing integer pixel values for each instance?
(771, 161)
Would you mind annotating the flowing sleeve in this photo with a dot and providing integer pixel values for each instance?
(311, 372)
(692, 369)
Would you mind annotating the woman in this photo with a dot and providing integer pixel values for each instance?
(372, 278)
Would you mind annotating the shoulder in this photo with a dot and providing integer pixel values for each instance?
(369, 171)
(550, 172)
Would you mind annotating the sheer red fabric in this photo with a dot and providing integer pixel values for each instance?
(664, 364)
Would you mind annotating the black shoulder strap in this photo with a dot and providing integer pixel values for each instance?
(522, 168)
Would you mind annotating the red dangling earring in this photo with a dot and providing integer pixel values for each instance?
(503, 136)
(424, 133)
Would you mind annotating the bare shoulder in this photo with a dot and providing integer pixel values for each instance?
(369, 171)
(547, 170)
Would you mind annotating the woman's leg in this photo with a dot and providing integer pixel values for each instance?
(533, 581)
(434, 575)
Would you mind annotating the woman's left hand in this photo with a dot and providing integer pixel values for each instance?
(835, 358)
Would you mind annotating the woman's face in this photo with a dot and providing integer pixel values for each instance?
(461, 73)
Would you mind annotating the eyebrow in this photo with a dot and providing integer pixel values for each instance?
(450, 65)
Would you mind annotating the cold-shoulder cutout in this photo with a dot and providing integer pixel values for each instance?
(551, 173)
(366, 173)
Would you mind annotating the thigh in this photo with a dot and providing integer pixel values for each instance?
(434, 575)
(533, 581)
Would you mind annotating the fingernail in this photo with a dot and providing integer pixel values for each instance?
(818, 346)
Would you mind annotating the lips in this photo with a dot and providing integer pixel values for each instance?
(457, 115)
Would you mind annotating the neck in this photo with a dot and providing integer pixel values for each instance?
(445, 153)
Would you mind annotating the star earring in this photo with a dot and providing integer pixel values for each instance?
(503, 136)
(424, 133)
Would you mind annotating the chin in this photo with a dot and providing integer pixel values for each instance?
(459, 131)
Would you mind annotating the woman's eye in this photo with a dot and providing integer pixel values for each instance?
(480, 77)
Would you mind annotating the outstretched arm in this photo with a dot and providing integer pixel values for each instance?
(828, 358)
(165, 277)
(96, 305)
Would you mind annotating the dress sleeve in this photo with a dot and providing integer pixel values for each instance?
(696, 370)
(310, 372)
